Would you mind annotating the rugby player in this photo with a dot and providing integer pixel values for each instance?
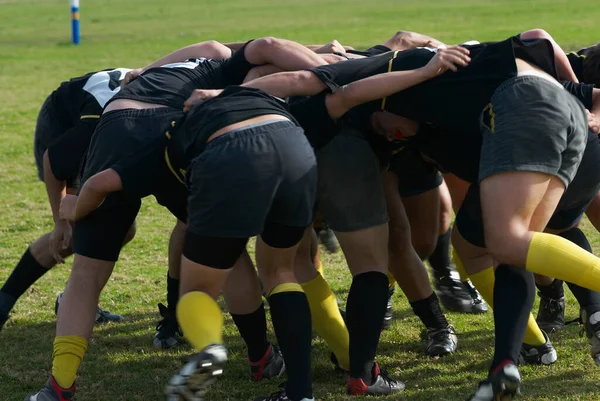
(64, 127)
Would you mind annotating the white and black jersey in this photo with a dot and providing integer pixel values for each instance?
(171, 85)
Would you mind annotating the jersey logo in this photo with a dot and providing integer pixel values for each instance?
(104, 85)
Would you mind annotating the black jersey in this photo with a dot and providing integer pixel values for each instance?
(85, 97)
(576, 60)
(233, 105)
(171, 85)
(452, 101)
(312, 115)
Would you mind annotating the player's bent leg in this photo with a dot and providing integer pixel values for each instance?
(205, 266)
(410, 273)
(536, 347)
(290, 311)
(242, 294)
(351, 199)
(34, 263)
(168, 334)
(326, 317)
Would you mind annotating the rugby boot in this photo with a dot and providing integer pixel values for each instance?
(280, 396)
(328, 239)
(194, 378)
(479, 305)
(544, 354)
(382, 384)
(102, 316)
(389, 310)
(52, 392)
(168, 334)
(502, 385)
(551, 314)
(441, 342)
(591, 325)
(271, 365)
(453, 294)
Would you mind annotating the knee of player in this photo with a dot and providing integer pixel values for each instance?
(506, 247)
(399, 237)
(424, 245)
(266, 43)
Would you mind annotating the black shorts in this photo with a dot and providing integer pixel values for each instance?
(49, 127)
(119, 134)
(371, 51)
(350, 194)
(415, 175)
(250, 177)
(533, 124)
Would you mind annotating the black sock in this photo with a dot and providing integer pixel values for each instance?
(440, 257)
(253, 329)
(365, 309)
(293, 327)
(514, 293)
(172, 292)
(554, 290)
(588, 299)
(27, 272)
(430, 312)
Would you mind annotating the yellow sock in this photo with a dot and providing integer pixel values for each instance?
(66, 358)
(484, 282)
(391, 279)
(327, 320)
(553, 256)
(319, 268)
(200, 319)
(460, 268)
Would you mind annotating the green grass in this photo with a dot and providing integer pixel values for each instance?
(35, 55)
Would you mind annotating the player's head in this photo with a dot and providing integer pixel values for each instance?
(591, 65)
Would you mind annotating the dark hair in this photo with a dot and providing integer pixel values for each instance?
(591, 65)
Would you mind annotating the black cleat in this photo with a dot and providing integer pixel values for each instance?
(7, 302)
(194, 378)
(382, 384)
(479, 305)
(551, 314)
(441, 342)
(591, 325)
(389, 311)
(501, 386)
(453, 294)
(328, 239)
(271, 365)
(52, 392)
(168, 334)
(279, 396)
(544, 354)
(102, 316)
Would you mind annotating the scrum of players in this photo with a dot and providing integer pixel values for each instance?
(291, 144)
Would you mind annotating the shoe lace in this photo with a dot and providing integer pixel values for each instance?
(385, 376)
(550, 307)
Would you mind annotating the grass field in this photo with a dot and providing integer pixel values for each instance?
(35, 56)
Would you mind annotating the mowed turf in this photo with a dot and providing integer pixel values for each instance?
(35, 56)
